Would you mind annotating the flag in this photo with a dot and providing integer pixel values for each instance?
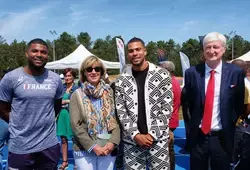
(121, 53)
(185, 64)
(161, 55)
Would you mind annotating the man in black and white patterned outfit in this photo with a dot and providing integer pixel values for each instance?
(144, 106)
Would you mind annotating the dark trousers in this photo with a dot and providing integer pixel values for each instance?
(186, 117)
(187, 130)
(239, 130)
(171, 149)
(119, 157)
(209, 151)
(43, 160)
(241, 148)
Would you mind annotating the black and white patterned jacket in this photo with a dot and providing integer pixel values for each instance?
(158, 102)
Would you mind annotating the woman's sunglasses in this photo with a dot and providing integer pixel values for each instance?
(90, 69)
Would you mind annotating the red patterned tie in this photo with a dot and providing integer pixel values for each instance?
(209, 103)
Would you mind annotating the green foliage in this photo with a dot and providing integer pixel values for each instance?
(65, 45)
(50, 45)
(152, 52)
(173, 55)
(193, 49)
(5, 54)
(241, 47)
(2, 40)
(106, 48)
(13, 55)
(85, 39)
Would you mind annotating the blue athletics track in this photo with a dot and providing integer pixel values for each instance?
(182, 161)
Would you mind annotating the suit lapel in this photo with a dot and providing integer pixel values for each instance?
(202, 82)
(224, 80)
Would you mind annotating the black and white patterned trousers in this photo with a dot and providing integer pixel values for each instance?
(155, 158)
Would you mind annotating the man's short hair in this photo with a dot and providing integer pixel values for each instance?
(241, 63)
(135, 39)
(169, 65)
(66, 70)
(238, 62)
(37, 41)
(247, 69)
(214, 36)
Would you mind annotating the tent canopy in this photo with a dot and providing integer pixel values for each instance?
(75, 59)
(245, 57)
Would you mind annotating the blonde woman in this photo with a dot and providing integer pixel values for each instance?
(93, 119)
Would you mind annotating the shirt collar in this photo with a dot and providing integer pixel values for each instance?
(74, 87)
(218, 69)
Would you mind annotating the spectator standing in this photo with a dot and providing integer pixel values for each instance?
(215, 92)
(144, 105)
(93, 119)
(242, 134)
(174, 120)
(63, 121)
(30, 98)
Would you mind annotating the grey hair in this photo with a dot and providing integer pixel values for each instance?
(169, 65)
(214, 36)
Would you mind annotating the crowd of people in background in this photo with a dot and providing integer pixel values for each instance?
(127, 123)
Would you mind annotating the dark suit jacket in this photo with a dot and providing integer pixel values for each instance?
(231, 99)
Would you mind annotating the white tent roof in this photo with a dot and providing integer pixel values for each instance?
(75, 59)
(245, 57)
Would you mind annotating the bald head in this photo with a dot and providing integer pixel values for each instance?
(240, 63)
(169, 65)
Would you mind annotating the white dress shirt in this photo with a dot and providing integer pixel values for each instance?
(216, 119)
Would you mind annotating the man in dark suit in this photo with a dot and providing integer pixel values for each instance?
(186, 118)
(215, 91)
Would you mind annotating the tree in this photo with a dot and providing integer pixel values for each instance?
(241, 47)
(162, 45)
(5, 53)
(99, 48)
(50, 45)
(246, 46)
(2, 40)
(18, 54)
(65, 45)
(173, 55)
(84, 39)
(13, 55)
(106, 49)
(192, 49)
(152, 52)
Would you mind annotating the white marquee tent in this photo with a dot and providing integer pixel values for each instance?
(245, 57)
(75, 59)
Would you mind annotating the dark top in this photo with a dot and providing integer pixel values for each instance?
(74, 87)
(184, 103)
(140, 77)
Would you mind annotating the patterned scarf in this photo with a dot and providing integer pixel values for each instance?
(105, 114)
